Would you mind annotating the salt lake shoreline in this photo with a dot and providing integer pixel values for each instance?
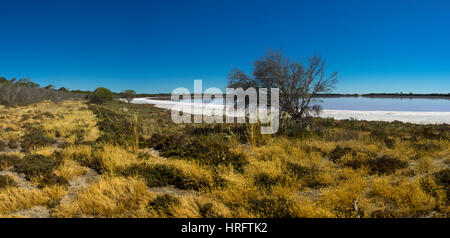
(389, 116)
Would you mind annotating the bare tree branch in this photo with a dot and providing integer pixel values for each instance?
(298, 83)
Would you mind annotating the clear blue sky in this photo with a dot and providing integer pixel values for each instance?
(156, 46)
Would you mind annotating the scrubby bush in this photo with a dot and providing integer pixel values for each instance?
(309, 175)
(36, 137)
(385, 165)
(101, 95)
(442, 178)
(166, 143)
(427, 147)
(380, 134)
(338, 152)
(13, 144)
(7, 181)
(206, 210)
(265, 181)
(41, 116)
(118, 128)
(25, 117)
(8, 160)
(128, 95)
(272, 207)
(25, 92)
(402, 198)
(36, 165)
(310, 149)
(164, 205)
(40, 168)
(159, 175)
(52, 179)
(205, 149)
(378, 165)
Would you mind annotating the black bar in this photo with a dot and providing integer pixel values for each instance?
(226, 227)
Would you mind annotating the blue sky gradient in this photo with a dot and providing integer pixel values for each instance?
(156, 46)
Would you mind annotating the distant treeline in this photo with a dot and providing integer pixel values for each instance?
(21, 92)
(24, 92)
(144, 95)
(331, 95)
(390, 95)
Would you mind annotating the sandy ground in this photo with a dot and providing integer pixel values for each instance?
(412, 117)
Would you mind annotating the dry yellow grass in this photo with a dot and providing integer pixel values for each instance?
(70, 169)
(283, 177)
(15, 199)
(110, 197)
(62, 119)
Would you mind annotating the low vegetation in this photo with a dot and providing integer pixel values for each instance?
(24, 92)
(101, 95)
(114, 159)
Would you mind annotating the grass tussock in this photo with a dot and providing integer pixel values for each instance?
(110, 197)
(17, 199)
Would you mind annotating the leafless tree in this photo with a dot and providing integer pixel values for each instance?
(298, 83)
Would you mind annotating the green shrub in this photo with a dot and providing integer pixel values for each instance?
(385, 165)
(91, 162)
(166, 143)
(13, 144)
(379, 165)
(164, 204)
(7, 181)
(117, 128)
(25, 117)
(2, 145)
(219, 181)
(8, 160)
(40, 167)
(51, 179)
(101, 95)
(36, 137)
(308, 175)
(265, 181)
(380, 134)
(160, 175)
(206, 210)
(442, 178)
(310, 149)
(268, 207)
(355, 163)
(36, 165)
(239, 130)
(128, 95)
(435, 132)
(347, 212)
(41, 116)
(384, 213)
(427, 147)
(207, 150)
(298, 170)
(338, 152)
